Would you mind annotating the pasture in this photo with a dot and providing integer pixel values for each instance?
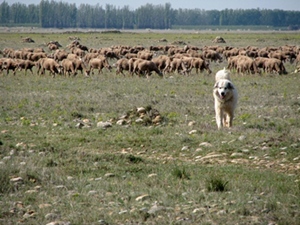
(58, 165)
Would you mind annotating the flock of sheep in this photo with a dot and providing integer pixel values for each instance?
(142, 61)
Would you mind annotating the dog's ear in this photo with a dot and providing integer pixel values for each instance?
(216, 85)
(230, 86)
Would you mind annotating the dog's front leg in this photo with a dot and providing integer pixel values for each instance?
(230, 119)
(219, 117)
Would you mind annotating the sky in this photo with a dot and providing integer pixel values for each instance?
(185, 4)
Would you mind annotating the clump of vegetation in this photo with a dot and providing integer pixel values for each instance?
(216, 184)
(180, 173)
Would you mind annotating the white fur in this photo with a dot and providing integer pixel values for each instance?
(223, 74)
(226, 97)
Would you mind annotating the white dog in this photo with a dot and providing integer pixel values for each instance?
(226, 97)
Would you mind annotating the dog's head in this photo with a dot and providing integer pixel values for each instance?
(223, 88)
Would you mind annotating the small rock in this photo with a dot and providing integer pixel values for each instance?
(19, 205)
(59, 223)
(92, 192)
(245, 150)
(30, 214)
(242, 138)
(200, 210)
(104, 125)
(79, 125)
(123, 212)
(193, 132)
(191, 123)
(121, 122)
(221, 212)
(102, 222)
(139, 120)
(154, 209)
(16, 180)
(184, 148)
(141, 110)
(157, 119)
(142, 197)
(152, 175)
(86, 120)
(109, 175)
(205, 144)
(236, 154)
(60, 186)
(31, 191)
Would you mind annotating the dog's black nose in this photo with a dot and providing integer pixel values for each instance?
(222, 93)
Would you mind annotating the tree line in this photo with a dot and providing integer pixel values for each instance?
(53, 14)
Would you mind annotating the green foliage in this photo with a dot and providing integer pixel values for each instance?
(67, 15)
(216, 184)
(5, 174)
(180, 173)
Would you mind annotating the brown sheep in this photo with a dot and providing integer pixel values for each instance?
(26, 65)
(246, 64)
(178, 65)
(231, 52)
(262, 53)
(48, 64)
(275, 65)
(80, 65)
(72, 56)
(98, 63)
(200, 64)
(260, 62)
(90, 55)
(278, 55)
(133, 65)
(122, 64)
(212, 56)
(77, 51)
(18, 54)
(52, 46)
(145, 55)
(232, 62)
(1, 64)
(10, 64)
(8, 52)
(111, 55)
(298, 59)
(36, 56)
(130, 55)
(59, 55)
(145, 67)
(68, 67)
(161, 62)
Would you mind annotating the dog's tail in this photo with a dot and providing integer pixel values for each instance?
(223, 74)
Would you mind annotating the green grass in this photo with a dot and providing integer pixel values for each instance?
(247, 175)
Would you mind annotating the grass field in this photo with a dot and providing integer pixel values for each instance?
(57, 166)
